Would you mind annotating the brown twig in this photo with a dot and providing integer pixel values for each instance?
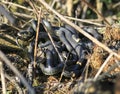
(2, 78)
(17, 5)
(38, 16)
(85, 7)
(35, 10)
(99, 6)
(84, 21)
(23, 15)
(103, 65)
(61, 76)
(116, 5)
(69, 6)
(37, 35)
(53, 3)
(87, 68)
(13, 81)
(78, 28)
(98, 13)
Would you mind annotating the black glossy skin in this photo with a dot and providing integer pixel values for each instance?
(67, 45)
(93, 32)
(72, 46)
(48, 46)
(52, 65)
(72, 30)
(51, 70)
(65, 34)
(64, 40)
